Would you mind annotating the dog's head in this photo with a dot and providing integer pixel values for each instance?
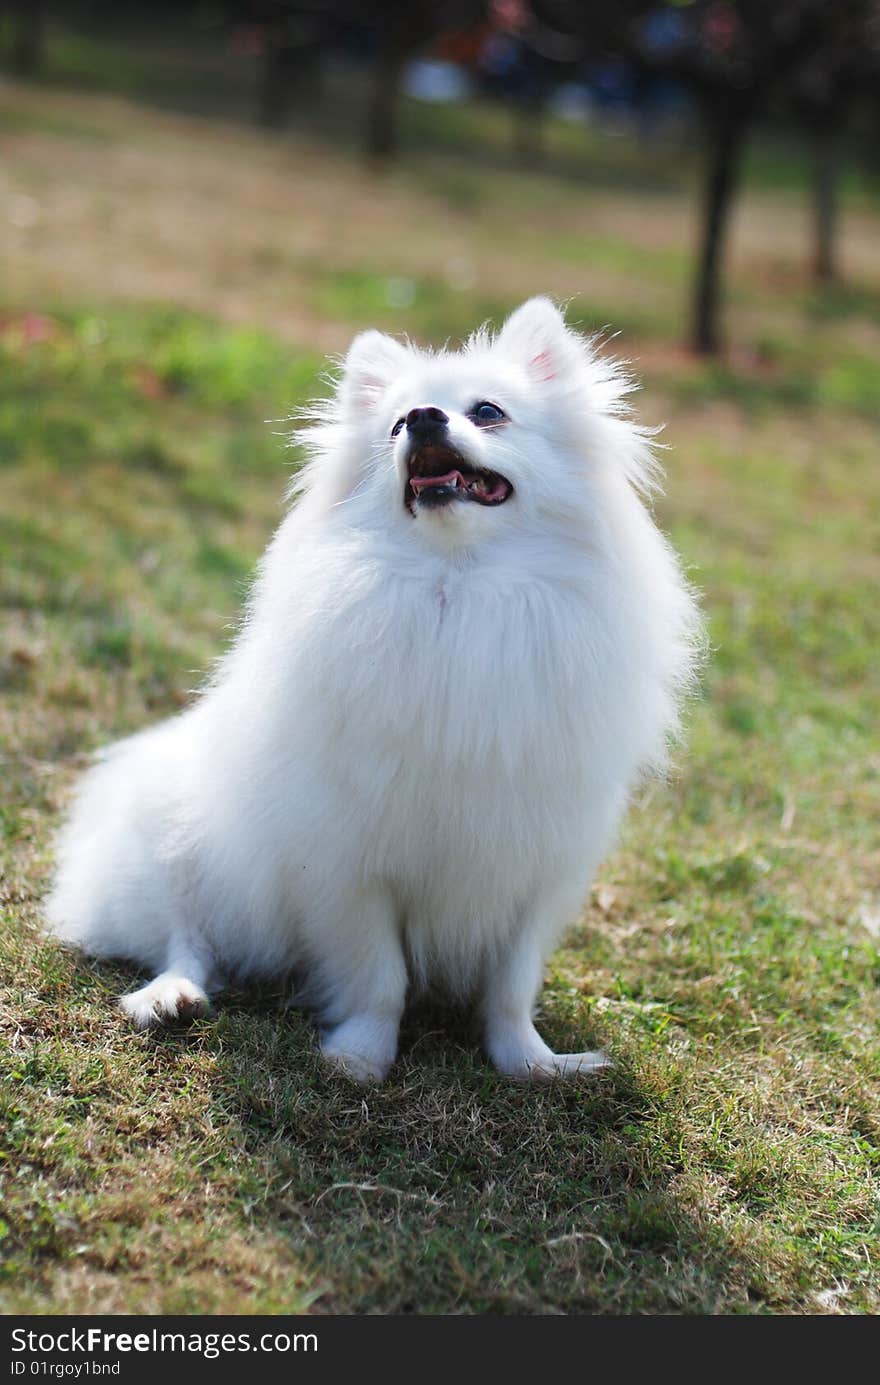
(457, 448)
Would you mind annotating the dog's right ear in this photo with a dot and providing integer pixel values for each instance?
(535, 335)
(374, 362)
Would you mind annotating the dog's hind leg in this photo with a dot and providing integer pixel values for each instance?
(179, 993)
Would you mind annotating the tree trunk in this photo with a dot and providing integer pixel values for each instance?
(728, 129)
(28, 37)
(826, 167)
(275, 77)
(381, 127)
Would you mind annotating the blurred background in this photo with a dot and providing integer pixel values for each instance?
(198, 202)
(633, 133)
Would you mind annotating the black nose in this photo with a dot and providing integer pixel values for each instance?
(421, 423)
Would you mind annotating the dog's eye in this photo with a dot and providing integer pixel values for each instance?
(485, 413)
(397, 427)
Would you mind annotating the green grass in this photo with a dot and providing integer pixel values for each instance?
(728, 957)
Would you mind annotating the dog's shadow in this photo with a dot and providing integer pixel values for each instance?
(450, 1189)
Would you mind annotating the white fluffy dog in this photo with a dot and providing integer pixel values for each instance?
(465, 643)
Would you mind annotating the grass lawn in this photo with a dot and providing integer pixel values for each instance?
(170, 284)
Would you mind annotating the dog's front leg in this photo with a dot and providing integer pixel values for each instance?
(362, 980)
(512, 1041)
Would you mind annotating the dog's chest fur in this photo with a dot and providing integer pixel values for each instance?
(464, 709)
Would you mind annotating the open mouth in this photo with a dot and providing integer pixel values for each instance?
(439, 475)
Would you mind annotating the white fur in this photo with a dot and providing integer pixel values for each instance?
(408, 766)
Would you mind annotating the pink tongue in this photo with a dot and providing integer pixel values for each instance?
(452, 478)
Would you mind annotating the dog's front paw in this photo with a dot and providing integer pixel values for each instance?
(520, 1053)
(566, 1065)
(365, 1071)
(167, 1000)
(362, 1048)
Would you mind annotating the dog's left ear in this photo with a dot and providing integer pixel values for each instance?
(374, 362)
(536, 336)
